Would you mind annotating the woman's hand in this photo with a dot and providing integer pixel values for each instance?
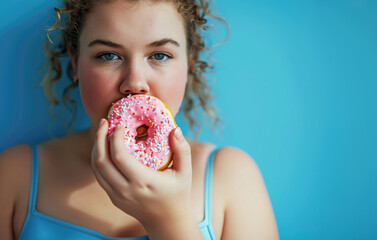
(148, 195)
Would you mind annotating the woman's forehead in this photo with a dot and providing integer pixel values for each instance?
(134, 22)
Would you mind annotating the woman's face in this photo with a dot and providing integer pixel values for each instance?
(131, 48)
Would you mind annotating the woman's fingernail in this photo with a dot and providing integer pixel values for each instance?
(119, 127)
(101, 122)
(178, 134)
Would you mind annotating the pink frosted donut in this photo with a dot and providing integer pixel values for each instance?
(148, 123)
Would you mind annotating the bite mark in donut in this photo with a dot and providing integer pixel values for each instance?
(142, 133)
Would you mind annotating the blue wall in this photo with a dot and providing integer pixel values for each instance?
(296, 86)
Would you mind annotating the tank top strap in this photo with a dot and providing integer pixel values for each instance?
(208, 187)
(34, 178)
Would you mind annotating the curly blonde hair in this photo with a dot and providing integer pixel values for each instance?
(67, 29)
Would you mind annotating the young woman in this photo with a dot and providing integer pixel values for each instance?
(82, 186)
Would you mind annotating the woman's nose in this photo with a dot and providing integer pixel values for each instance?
(134, 80)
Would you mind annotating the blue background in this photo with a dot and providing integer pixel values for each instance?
(296, 86)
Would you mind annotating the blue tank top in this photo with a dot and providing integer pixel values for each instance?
(39, 226)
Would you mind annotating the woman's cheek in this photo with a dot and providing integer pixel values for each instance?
(173, 88)
(97, 94)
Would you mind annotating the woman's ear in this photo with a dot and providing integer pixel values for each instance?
(73, 62)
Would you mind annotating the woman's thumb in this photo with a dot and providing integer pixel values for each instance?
(181, 151)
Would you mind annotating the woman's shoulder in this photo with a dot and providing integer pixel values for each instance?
(15, 167)
(231, 166)
(236, 177)
(15, 151)
(239, 193)
(232, 160)
(234, 167)
(15, 163)
(227, 159)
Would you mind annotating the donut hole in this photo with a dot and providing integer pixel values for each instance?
(142, 133)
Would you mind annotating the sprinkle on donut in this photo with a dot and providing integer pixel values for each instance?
(148, 123)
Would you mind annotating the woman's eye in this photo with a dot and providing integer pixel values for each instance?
(160, 56)
(108, 56)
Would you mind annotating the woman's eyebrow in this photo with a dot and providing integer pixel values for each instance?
(157, 43)
(104, 42)
(163, 42)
